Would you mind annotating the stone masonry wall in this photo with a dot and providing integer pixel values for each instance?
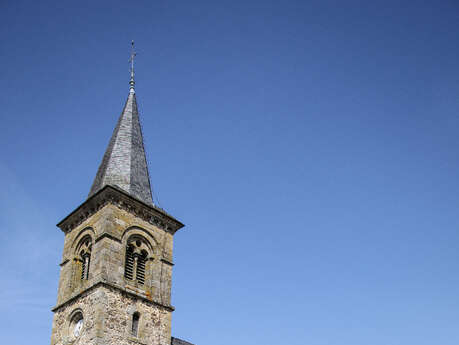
(107, 316)
(109, 230)
(107, 299)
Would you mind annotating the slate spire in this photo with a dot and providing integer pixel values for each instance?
(124, 164)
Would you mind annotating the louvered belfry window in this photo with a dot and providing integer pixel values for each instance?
(136, 260)
(141, 261)
(84, 250)
(129, 267)
(85, 269)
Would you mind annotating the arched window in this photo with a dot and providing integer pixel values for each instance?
(84, 256)
(76, 324)
(135, 324)
(136, 259)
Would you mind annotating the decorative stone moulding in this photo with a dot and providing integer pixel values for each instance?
(127, 290)
(115, 196)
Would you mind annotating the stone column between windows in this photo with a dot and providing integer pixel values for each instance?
(134, 270)
(86, 267)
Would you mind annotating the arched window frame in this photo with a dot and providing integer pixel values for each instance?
(138, 251)
(83, 256)
(74, 319)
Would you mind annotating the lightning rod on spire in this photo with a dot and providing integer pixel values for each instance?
(131, 60)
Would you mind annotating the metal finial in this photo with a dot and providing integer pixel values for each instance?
(131, 60)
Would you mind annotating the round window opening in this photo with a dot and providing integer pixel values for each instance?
(76, 324)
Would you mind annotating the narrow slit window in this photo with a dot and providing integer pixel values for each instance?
(135, 324)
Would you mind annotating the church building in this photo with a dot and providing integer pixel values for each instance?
(116, 269)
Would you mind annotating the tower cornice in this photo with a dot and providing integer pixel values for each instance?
(112, 286)
(116, 196)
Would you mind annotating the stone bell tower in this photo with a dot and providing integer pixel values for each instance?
(116, 269)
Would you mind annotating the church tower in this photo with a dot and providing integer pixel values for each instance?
(116, 269)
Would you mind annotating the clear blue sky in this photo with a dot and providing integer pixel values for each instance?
(310, 147)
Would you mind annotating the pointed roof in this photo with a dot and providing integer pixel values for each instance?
(124, 164)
